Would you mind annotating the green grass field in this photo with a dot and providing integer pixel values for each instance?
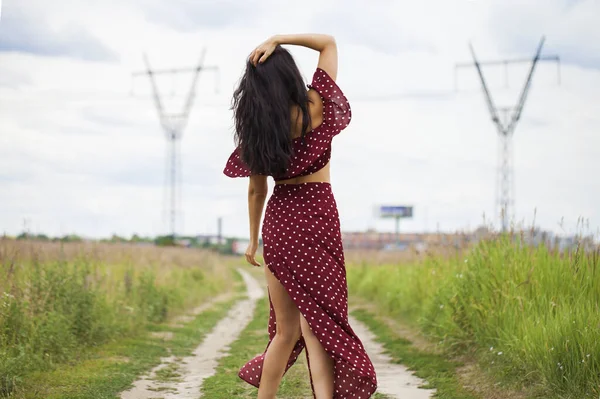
(65, 305)
(75, 319)
(109, 369)
(529, 315)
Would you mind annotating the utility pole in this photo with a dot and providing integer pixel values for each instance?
(173, 125)
(219, 229)
(506, 119)
(397, 231)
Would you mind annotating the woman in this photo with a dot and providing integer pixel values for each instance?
(285, 131)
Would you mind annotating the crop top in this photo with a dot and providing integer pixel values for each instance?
(312, 155)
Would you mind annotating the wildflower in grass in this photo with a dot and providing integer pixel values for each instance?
(500, 353)
(7, 298)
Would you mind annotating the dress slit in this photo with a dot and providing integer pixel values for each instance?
(306, 257)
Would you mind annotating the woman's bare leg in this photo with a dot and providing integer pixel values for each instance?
(288, 333)
(321, 364)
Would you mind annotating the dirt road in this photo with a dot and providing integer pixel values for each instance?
(192, 370)
(395, 381)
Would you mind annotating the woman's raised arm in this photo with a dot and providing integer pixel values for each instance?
(324, 44)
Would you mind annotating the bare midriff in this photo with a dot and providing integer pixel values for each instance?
(321, 176)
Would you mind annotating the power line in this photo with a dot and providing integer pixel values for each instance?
(505, 119)
(173, 125)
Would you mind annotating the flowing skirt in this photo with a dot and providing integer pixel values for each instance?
(303, 249)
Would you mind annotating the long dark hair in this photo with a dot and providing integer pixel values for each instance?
(262, 105)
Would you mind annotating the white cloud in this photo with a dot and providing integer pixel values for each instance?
(78, 154)
(189, 16)
(25, 29)
(570, 26)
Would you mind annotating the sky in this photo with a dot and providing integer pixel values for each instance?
(82, 151)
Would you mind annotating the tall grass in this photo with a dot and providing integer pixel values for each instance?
(531, 315)
(59, 299)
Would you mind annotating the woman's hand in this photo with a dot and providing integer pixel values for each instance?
(324, 44)
(251, 252)
(263, 51)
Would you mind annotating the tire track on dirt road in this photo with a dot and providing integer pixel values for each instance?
(394, 380)
(188, 373)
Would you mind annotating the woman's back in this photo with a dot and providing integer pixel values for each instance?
(311, 151)
(315, 110)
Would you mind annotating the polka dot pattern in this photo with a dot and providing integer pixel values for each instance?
(303, 249)
(312, 152)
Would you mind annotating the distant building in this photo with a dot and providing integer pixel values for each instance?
(238, 247)
(373, 240)
(183, 242)
(387, 241)
(210, 239)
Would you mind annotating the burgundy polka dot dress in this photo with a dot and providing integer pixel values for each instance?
(303, 249)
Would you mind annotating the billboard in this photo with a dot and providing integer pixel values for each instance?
(394, 211)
